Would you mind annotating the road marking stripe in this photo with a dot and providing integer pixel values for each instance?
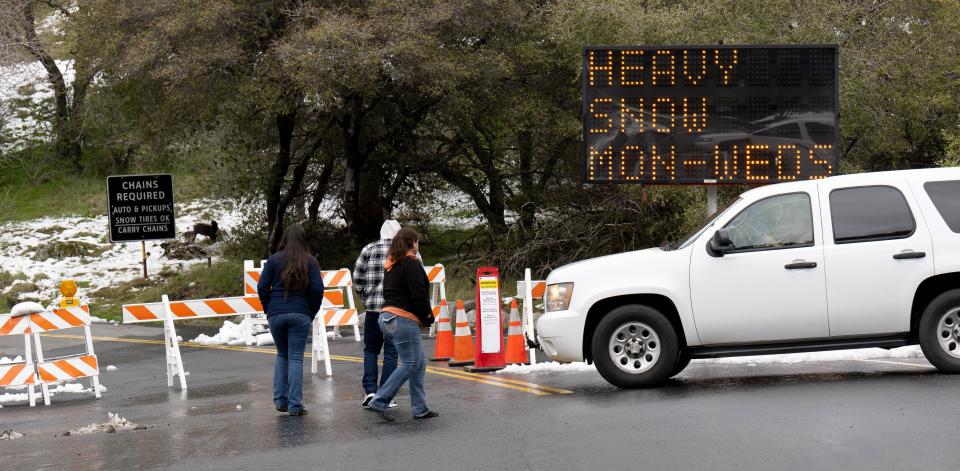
(508, 383)
(901, 363)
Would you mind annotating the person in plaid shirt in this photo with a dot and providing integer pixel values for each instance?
(368, 280)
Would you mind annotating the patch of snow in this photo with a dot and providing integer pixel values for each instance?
(13, 397)
(11, 435)
(247, 332)
(239, 407)
(111, 368)
(114, 423)
(912, 351)
(548, 367)
(5, 360)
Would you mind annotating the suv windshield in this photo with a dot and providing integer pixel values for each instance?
(692, 236)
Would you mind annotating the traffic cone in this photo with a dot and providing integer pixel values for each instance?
(463, 349)
(516, 346)
(443, 347)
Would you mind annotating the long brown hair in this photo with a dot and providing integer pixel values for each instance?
(297, 259)
(402, 244)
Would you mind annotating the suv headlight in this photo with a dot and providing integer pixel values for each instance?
(558, 297)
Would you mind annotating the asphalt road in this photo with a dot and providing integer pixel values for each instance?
(872, 415)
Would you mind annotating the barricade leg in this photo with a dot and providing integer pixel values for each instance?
(315, 344)
(31, 393)
(95, 379)
(43, 384)
(174, 361)
(320, 347)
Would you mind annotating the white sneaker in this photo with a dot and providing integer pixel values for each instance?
(366, 401)
(393, 404)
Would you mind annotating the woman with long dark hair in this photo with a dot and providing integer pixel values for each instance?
(406, 310)
(291, 291)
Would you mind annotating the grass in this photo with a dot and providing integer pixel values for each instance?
(26, 195)
(223, 279)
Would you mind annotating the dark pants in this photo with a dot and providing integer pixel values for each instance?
(290, 331)
(373, 342)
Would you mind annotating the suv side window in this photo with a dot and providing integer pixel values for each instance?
(946, 197)
(870, 213)
(778, 222)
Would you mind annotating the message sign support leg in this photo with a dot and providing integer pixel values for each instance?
(530, 334)
(174, 361)
(711, 200)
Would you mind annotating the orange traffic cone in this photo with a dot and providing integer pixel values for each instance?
(516, 346)
(463, 349)
(443, 348)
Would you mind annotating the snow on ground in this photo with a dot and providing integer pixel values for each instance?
(105, 264)
(114, 423)
(71, 388)
(247, 332)
(111, 368)
(912, 351)
(23, 91)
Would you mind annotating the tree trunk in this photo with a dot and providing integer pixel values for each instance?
(528, 192)
(67, 148)
(285, 126)
(320, 192)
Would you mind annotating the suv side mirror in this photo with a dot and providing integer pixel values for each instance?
(719, 243)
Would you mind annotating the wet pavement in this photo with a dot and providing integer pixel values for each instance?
(889, 414)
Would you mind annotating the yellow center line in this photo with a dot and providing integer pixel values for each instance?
(502, 382)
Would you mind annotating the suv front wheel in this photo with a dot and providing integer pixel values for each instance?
(939, 332)
(635, 346)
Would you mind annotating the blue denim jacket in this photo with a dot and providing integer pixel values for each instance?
(271, 290)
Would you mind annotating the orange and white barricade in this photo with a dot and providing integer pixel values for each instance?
(529, 290)
(437, 277)
(68, 367)
(50, 370)
(168, 311)
(340, 280)
(22, 373)
(338, 294)
(251, 277)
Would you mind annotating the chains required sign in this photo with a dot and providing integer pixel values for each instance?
(140, 207)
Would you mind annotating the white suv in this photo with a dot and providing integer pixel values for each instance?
(852, 261)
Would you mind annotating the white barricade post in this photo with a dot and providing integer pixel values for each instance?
(20, 373)
(528, 290)
(68, 367)
(437, 277)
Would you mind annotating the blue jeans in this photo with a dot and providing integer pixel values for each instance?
(290, 331)
(373, 342)
(405, 335)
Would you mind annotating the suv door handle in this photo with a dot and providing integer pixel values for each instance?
(909, 255)
(800, 265)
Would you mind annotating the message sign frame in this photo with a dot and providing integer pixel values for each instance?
(489, 330)
(110, 206)
(834, 158)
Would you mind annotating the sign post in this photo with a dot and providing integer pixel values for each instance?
(489, 345)
(140, 208)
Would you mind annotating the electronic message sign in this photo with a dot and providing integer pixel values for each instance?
(710, 114)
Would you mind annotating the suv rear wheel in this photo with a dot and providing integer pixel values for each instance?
(939, 332)
(635, 346)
